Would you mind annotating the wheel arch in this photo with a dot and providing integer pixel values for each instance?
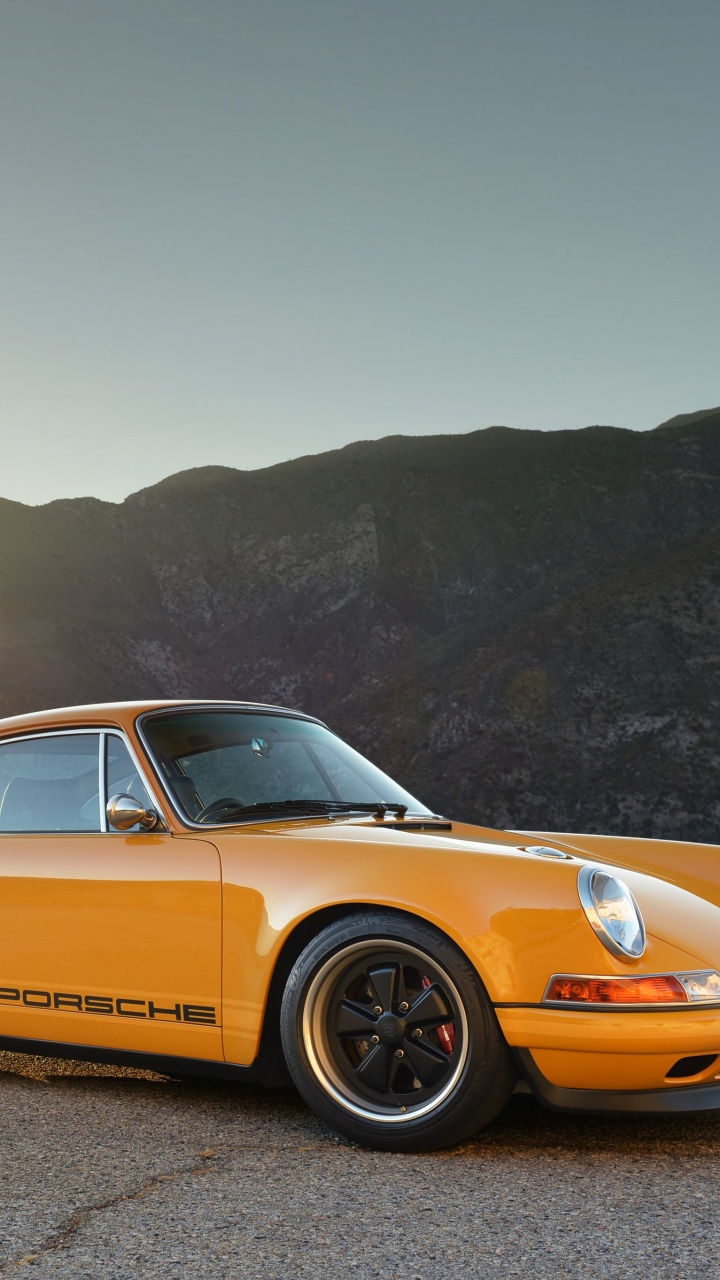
(271, 1068)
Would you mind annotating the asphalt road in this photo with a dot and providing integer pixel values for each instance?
(111, 1173)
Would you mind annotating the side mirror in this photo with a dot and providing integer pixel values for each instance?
(124, 811)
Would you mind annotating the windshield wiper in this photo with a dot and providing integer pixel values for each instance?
(379, 808)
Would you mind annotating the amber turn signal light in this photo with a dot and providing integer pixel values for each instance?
(662, 988)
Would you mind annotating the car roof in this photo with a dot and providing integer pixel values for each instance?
(124, 714)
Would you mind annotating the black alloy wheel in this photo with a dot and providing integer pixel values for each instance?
(390, 1037)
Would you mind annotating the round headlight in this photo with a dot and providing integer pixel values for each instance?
(613, 912)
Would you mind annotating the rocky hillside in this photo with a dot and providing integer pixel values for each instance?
(522, 626)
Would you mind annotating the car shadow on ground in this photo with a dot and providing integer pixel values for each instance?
(524, 1127)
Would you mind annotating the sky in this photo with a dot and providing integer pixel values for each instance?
(240, 231)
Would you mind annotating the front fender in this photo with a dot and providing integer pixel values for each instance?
(516, 916)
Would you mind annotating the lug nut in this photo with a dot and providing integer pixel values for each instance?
(377, 1010)
(417, 1032)
(399, 1053)
(404, 1006)
(374, 1039)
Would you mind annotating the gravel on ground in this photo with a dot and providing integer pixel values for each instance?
(108, 1173)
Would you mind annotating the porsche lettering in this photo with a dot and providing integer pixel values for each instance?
(120, 1006)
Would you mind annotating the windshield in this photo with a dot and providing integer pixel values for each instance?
(218, 763)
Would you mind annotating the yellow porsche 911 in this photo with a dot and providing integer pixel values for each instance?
(225, 889)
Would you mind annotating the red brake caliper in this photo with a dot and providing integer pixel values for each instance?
(446, 1033)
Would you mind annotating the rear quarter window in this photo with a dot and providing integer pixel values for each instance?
(50, 783)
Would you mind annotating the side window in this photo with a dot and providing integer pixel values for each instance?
(122, 774)
(50, 783)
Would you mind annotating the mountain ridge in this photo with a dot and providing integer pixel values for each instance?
(217, 470)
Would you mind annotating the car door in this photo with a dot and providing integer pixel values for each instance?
(106, 938)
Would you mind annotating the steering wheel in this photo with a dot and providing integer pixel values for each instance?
(217, 807)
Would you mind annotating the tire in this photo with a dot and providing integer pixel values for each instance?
(390, 1037)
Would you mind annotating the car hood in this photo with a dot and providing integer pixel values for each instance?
(694, 867)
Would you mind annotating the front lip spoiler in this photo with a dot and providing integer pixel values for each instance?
(673, 1100)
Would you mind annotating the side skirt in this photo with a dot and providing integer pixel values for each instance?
(165, 1064)
(694, 1097)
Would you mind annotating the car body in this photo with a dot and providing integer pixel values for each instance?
(406, 970)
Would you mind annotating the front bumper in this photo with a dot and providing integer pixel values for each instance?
(593, 1059)
(669, 1100)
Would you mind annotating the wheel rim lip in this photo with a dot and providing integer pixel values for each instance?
(314, 1034)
